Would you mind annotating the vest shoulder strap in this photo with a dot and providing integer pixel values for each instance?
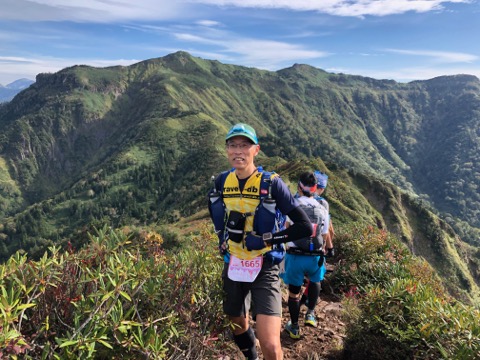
(223, 177)
(267, 176)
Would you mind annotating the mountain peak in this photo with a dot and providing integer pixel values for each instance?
(20, 84)
(8, 92)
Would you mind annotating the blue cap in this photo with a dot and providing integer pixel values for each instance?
(242, 130)
(321, 179)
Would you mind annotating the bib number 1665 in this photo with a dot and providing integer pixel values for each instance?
(254, 263)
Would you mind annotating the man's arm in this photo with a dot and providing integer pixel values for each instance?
(301, 228)
(289, 206)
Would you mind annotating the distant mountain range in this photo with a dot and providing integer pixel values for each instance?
(9, 91)
(137, 145)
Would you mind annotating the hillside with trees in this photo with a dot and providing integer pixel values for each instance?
(137, 145)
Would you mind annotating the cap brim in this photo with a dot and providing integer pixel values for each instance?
(249, 137)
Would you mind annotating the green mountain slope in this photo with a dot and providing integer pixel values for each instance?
(139, 144)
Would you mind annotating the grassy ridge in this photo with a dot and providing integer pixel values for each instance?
(122, 145)
(133, 293)
(73, 121)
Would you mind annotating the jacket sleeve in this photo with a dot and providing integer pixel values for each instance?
(301, 227)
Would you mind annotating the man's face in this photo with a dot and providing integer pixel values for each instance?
(320, 191)
(241, 152)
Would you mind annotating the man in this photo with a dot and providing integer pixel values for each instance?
(249, 275)
(322, 180)
(305, 257)
(329, 250)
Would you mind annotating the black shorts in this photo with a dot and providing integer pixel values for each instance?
(264, 291)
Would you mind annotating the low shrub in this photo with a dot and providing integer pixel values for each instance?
(122, 296)
(396, 306)
(368, 256)
(406, 320)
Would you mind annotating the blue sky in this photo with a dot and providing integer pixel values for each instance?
(403, 40)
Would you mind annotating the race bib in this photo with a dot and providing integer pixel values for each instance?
(244, 270)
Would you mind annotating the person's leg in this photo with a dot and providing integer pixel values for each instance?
(244, 337)
(316, 274)
(268, 333)
(294, 303)
(236, 305)
(294, 278)
(314, 289)
(331, 231)
(304, 298)
(313, 294)
(330, 252)
(267, 296)
(239, 324)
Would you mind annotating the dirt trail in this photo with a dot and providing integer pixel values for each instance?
(323, 342)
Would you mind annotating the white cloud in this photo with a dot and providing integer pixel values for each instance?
(340, 7)
(439, 56)
(197, 32)
(91, 10)
(121, 10)
(264, 54)
(208, 23)
(270, 54)
(197, 39)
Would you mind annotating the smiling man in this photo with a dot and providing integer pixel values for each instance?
(248, 236)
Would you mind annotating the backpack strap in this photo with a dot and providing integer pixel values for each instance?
(264, 183)
(265, 187)
(265, 193)
(223, 176)
(216, 206)
(277, 253)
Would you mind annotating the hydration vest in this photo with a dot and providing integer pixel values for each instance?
(322, 201)
(317, 215)
(259, 214)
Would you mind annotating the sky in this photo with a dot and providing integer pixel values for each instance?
(401, 40)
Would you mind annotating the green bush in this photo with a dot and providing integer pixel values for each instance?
(406, 320)
(125, 296)
(122, 296)
(368, 256)
(396, 307)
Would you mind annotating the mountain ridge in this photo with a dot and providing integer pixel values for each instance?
(9, 91)
(123, 144)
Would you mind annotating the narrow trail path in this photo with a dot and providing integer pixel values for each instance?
(323, 342)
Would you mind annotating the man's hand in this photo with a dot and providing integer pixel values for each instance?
(222, 248)
(254, 242)
(222, 243)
